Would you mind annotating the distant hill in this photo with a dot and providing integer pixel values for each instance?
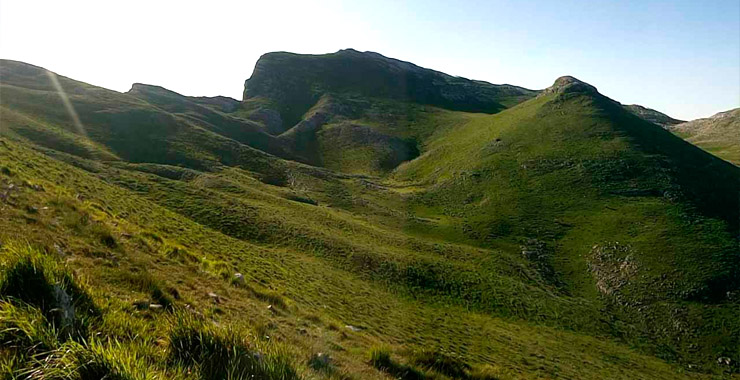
(360, 112)
(293, 83)
(653, 116)
(357, 216)
(719, 134)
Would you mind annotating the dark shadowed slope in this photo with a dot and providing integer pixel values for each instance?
(38, 104)
(212, 114)
(292, 83)
(360, 112)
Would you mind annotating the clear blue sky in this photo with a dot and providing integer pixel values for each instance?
(680, 57)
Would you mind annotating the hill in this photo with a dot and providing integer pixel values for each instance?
(653, 116)
(718, 134)
(554, 235)
(291, 84)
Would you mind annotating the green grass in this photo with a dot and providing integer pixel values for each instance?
(307, 277)
(428, 256)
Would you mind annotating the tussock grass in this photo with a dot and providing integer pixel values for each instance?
(31, 277)
(440, 362)
(380, 358)
(222, 354)
(143, 281)
(25, 330)
(113, 361)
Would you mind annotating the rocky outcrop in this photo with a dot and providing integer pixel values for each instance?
(653, 116)
(568, 84)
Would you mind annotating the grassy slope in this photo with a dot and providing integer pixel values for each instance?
(718, 134)
(595, 184)
(360, 113)
(128, 128)
(369, 74)
(427, 285)
(79, 213)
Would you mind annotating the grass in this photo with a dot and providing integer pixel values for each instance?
(35, 343)
(428, 256)
(392, 314)
(381, 359)
(36, 280)
(717, 135)
(224, 354)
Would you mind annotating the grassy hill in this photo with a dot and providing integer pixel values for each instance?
(718, 134)
(561, 237)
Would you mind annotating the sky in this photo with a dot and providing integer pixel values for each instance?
(679, 57)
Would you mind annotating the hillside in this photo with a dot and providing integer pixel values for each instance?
(357, 112)
(653, 116)
(719, 134)
(288, 85)
(376, 230)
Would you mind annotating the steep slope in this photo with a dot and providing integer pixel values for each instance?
(292, 83)
(78, 118)
(719, 134)
(653, 116)
(137, 240)
(561, 237)
(361, 112)
(211, 114)
(611, 207)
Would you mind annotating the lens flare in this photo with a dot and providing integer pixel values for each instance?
(67, 104)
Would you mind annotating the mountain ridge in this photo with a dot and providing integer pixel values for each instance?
(559, 216)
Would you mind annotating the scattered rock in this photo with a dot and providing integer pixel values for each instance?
(32, 186)
(239, 279)
(155, 306)
(612, 265)
(723, 360)
(353, 328)
(214, 297)
(65, 309)
(540, 255)
(568, 84)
